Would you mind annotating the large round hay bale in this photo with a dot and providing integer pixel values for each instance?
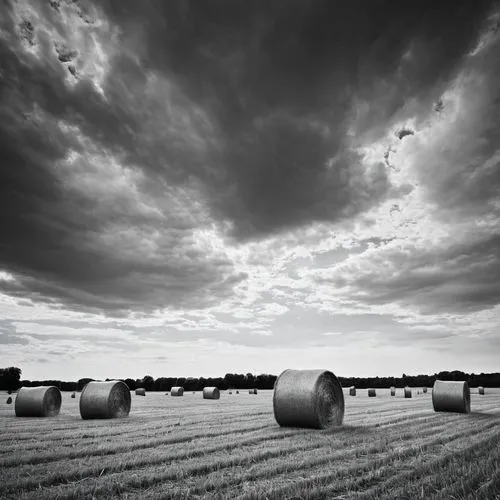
(424, 390)
(393, 391)
(9, 400)
(140, 391)
(407, 391)
(105, 400)
(42, 401)
(308, 398)
(451, 396)
(372, 393)
(73, 395)
(252, 391)
(480, 390)
(177, 391)
(352, 391)
(211, 393)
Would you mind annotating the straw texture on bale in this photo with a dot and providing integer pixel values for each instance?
(38, 402)
(480, 390)
(352, 391)
(105, 400)
(211, 393)
(140, 391)
(308, 398)
(9, 400)
(371, 393)
(424, 390)
(451, 396)
(252, 391)
(407, 392)
(73, 396)
(177, 391)
(393, 391)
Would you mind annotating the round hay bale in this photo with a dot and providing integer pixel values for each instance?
(177, 391)
(105, 400)
(424, 390)
(252, 391)
(140, 391)
(372, 393)
(237, 392)
(230, 392)
(9, 400)
(73, 396)
(451, 396)
(480, 390)
(308, 398)
(211, 393)
(393, 391)
(407, 391)
(352, 391)
(42, 401)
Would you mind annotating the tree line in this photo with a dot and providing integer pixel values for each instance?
(10, 379)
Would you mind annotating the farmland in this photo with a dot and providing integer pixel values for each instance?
(188, 447)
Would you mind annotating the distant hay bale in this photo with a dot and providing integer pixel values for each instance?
(9, 391)
(372, 393)
(9, 400)
(393, 391)
(42, 401)
(352, 391)
(237, 392)
(105, 400)
(177, 391)
(407, 392)
(424, 390)
(73, 396)
(451, 396)
(230, 392)
(252, 391)
(211, 393)
(140, 391)
(308, 398)
(480, 390)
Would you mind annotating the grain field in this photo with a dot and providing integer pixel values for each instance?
(191, 447)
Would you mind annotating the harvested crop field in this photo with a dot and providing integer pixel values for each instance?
(190, 447)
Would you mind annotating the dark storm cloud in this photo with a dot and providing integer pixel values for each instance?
(251, 102)
(460, 280)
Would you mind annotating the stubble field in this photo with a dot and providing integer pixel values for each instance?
(187, 447)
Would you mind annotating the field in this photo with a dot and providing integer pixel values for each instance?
(232, 448)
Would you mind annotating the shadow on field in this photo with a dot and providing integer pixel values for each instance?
(480, 415)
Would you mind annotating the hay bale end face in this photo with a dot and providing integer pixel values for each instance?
(352, 391)
(424, 390)
(308, 398)
(252, 391)
(177, 391)
(480, 390)
(140, 392)
(9, 400)
(393, 391)
(211, 393)
(451, 396)
(407, 391)
(105, 400)
(42, 401)
(372, 393)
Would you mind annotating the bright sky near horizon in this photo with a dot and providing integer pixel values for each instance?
(194, 188)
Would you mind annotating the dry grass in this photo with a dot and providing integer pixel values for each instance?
(184, 448)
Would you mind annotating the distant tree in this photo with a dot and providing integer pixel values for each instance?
(83, 382)
(130, 383)
(10, 378)
(148, 383)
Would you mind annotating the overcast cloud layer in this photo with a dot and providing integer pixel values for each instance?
(236, 186)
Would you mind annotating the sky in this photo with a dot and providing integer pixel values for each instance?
(199, 188)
